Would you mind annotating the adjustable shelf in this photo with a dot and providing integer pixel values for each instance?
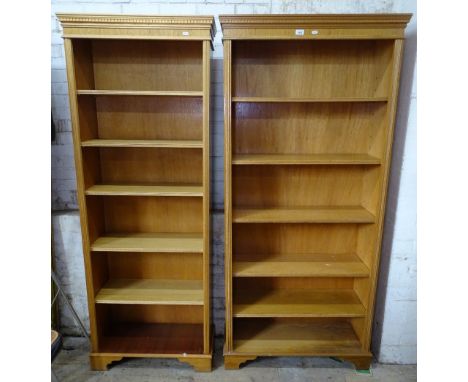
(299, 265)
(140, 99)
(308, 129)
(303, 159)
(142, 143)
(149, 242)
(189, 190)
(151, 292)
(140, 93)
(327, 100)
(296, 303)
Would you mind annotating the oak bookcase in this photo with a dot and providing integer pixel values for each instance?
(139, 89)
(309, 104)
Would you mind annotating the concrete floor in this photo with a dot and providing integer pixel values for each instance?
(71, 365)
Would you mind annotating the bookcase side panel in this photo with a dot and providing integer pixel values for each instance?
(69, 54)
(370, 238)
(206, 197)
(228, 192)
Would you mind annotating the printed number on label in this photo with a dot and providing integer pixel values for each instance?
(185, 33)
(299, 32)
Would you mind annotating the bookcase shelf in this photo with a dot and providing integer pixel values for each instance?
(157, 292)
(149, 243)
(142, 143)
(303, 159)
(140, 93)
(300, 100)
(299, 265)
(269, 338)
(309, 125)
(189, 190)
(296, 303)
(140, 100)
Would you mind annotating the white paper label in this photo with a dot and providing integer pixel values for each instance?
(314, 32)
(185, 33)
(299, 32)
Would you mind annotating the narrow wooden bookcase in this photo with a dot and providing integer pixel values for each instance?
(139, 89)
(309, 105)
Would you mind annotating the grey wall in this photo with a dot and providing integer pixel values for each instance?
(394, 339)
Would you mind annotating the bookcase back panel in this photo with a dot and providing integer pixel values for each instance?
(268, 283)
(134, 117)
(307, 128)
(189, 314)
(290, 320)
(150, 214)
(138, 65)
(312, 68)
(297, 186)
(149, 165)
(177, 266)
(293, 238)
(299, 258)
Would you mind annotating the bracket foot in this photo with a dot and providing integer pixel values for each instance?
(102, 362)
(233, 361)
(202, 364)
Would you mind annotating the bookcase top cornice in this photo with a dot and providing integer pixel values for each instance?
(349, 20)
(334, 26)
(77, 25)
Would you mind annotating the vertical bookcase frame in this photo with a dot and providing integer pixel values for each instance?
(145, 305)
(310, 304)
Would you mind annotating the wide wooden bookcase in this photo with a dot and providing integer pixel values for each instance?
(139, 89)
(309, 104)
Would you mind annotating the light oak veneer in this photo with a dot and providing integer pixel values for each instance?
(309, 113)
(139, 98)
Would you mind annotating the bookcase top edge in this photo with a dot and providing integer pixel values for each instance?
(204, 25)
(313, 27)
(133, 18)
(356, 20)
